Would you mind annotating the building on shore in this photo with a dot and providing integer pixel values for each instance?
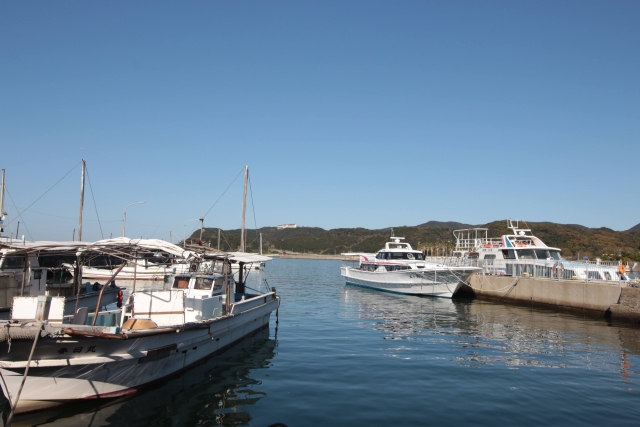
(283, 226)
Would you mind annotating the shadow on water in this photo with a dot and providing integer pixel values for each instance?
(220, 392)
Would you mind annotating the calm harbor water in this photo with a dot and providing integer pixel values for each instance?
(350, 356)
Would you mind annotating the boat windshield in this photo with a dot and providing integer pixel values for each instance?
(203, 284)
(526, 254)
(545, 254)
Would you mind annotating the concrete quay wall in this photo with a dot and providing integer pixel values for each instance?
(572, 294)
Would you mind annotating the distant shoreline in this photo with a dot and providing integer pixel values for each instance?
(315, 256)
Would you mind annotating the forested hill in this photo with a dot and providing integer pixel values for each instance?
(573, 239)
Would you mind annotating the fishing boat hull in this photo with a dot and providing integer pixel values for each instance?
(98, 368)
(443, 282)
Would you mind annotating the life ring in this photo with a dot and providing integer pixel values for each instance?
(558, 268)
(119, 301)
(488, 245)
(622, 269)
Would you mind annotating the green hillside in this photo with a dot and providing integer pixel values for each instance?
(574, 240)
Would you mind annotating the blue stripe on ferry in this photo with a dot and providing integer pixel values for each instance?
(507, 243)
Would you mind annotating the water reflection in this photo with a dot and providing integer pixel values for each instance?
(218, 392)
(478, 333)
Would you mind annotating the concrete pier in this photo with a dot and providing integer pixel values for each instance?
(613, 300)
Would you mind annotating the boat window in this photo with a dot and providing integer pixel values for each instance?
(368, 267)
(13, 262)
(419, 256)
(595, 275)
(542, 253)
(555, 255)
(526, 254)
(489, 259)
(181, 283)
(203, 283)
(381, 255)
(396, 267)
(508, 254)
(217, 284)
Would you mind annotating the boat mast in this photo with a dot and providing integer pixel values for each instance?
(84, 166)
(244, 208)
(2, 204)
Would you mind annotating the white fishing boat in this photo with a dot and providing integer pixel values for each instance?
(399, 268)
(62, 359)
(35, 269)
(520, 253)
(38, 268)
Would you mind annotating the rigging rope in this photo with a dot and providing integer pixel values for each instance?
(234, 180)
(255, 223)
(19, 215)
(45, 192)
(94, 200)
(225, 239)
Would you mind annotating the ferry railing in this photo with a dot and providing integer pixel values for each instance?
(548, 269)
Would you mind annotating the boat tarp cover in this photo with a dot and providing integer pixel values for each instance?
(247, 257)
(116, 243)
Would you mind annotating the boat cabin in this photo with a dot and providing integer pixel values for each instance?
(399, 251)
(522, 244)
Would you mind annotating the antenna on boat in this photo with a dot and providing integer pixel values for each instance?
(392, 232)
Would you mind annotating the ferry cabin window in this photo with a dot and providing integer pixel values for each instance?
(489, 259)
(203, 284)
(555, 255)
(381, 255)
(181, 283)
(406, 255)
(508, 254)
(594, 275)
(12, 262)
(526, 254)
(542, 254)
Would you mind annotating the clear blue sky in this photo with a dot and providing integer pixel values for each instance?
(348, 113)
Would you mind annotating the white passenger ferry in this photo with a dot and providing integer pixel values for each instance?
(523, 254)
(401, 269)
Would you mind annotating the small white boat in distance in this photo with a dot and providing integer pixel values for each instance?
(399, 268)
